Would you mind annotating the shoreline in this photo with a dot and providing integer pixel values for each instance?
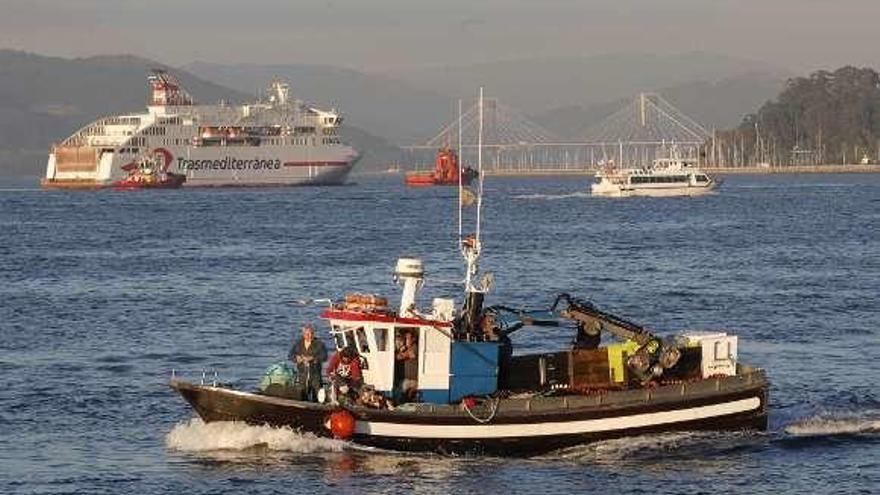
(792, 169)
(801, 169)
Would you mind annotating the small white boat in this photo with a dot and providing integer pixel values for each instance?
(672, 176)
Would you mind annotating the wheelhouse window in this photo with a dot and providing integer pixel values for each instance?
(381, 335)
(362, 344)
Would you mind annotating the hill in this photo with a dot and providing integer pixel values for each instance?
(825, 117)
(567, 94)
(719, 104)
(44, 99)
(536, 85)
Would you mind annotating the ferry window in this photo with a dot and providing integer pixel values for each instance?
(702, 178)
(349, 338)
(338, 340)
(381, 335)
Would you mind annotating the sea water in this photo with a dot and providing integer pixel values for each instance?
(103, 294)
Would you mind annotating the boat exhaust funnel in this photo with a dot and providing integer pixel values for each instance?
(410, 273)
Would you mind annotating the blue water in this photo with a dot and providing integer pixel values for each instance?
(104, 293)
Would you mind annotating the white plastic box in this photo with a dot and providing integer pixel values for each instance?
(444, 309)
(719, 352)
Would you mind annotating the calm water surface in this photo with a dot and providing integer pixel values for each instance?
(102, 294)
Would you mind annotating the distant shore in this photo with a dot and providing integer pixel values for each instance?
(788, 169)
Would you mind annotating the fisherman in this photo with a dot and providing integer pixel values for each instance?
(408, 355)
(588, 336)
(399, 362)
(344, 372)
(309, 353)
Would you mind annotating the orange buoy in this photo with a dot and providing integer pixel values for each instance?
(341, 424)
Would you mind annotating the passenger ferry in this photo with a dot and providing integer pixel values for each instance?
(278, 141)
(672, 176)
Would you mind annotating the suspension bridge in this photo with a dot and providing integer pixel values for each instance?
(512, 143)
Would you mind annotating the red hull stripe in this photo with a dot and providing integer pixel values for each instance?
(333, 314)
(314, 164)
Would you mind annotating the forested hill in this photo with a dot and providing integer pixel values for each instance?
(827, 117)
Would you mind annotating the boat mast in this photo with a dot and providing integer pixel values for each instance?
(480, 167)
(471, 246)
(470, 250)
(460, 185)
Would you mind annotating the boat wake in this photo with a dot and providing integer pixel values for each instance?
(834, 425)
(580, 194)
(197, 436)
(658, 447)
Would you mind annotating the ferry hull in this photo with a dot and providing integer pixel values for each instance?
(519, 428)
(79, 184)
(288, 174)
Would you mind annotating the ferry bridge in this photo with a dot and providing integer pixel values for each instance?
(513, 144)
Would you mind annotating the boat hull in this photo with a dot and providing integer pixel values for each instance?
(509, 427)
(416, 179)
(172, 181)
(659, 192)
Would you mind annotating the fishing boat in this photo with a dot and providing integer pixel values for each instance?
(668, 176)
(447, 172)
(471, 392)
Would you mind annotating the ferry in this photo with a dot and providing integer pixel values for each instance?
(465, 389)
(278, 141)
(669, 176)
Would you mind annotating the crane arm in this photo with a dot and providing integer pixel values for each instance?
(586, 313)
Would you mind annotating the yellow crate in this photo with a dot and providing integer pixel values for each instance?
(617, 354)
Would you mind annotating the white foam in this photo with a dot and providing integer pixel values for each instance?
(553, 196)
(620, 449)
(833, 425)
(197, 436)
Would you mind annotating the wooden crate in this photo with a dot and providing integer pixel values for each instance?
(589, 369)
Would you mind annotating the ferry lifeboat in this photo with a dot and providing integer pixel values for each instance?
(446, 172)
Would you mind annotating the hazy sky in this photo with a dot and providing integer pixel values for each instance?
(382, 34)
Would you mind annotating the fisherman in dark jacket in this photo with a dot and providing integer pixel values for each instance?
(308, 353)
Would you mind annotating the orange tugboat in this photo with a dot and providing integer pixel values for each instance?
(446, 172)
(150, 172)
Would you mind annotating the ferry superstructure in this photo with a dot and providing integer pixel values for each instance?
(670, 176)
(278, 141)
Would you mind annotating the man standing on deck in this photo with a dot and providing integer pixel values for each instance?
(309, 353)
